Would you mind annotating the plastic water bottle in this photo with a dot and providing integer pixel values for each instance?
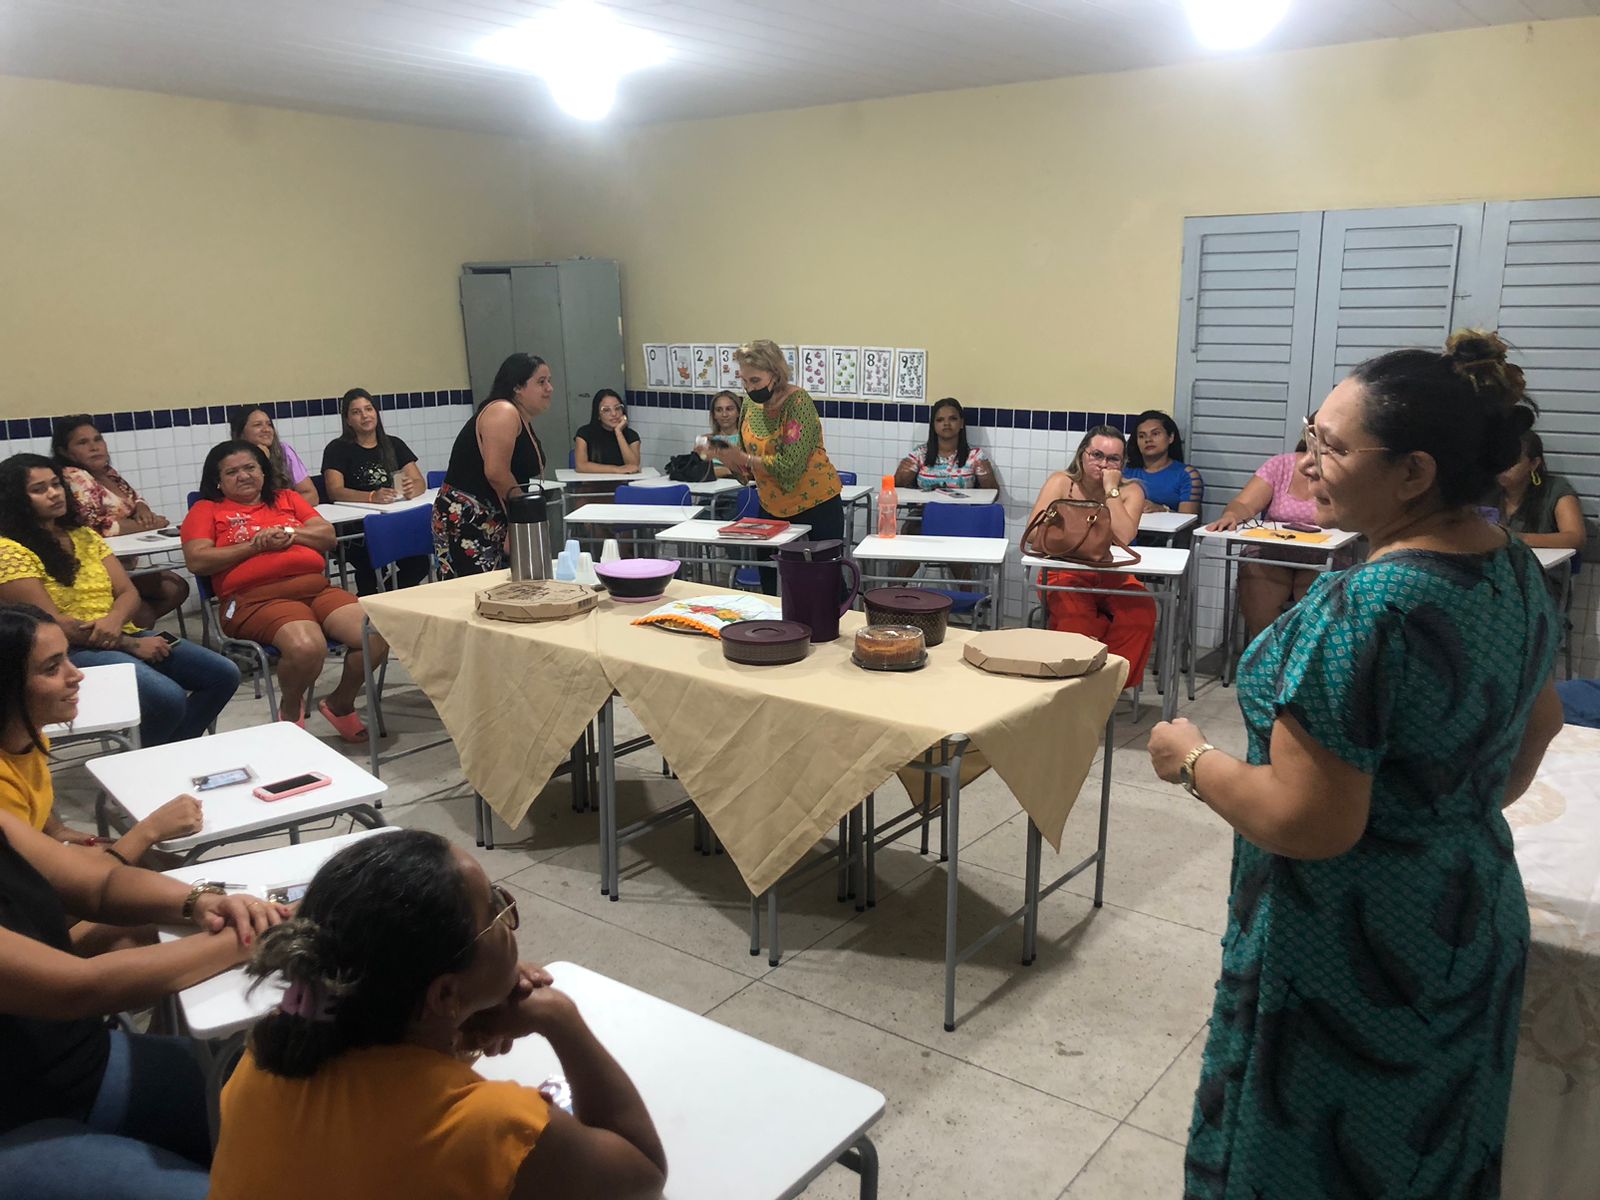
(888, 509)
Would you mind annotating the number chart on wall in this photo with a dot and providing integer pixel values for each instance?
(867, 372)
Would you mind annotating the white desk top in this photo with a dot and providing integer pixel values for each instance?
(1551, 557)
(1337, 539)
(569, 475)
(916, 497)
(143, 780)
(907, 547)
(849, 493)
(704, 487)
(1166, 522)
(223, 1004)
(126, 545)
(1161, 562)
(739, 1119)
(108, 699)
(633, 514)
(351, 510)
(705, 533)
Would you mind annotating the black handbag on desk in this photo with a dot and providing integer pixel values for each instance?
(690, 468)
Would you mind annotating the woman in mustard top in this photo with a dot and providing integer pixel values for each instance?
(402, 968)
(49, 558)
(783, 450)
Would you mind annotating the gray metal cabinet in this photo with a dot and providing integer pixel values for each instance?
(568, 313)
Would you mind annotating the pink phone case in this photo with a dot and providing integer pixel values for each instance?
(321, 780)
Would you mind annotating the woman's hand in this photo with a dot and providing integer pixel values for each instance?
(1227, 521)
(178, 817)
(384, 495)
(1170, 743)
(531, 1004)
(104, 634)
(246, 915)
(148, 649)
(410, 488)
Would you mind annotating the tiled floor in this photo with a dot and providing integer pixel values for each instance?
(1071, 1078)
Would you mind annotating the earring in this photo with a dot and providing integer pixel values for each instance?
(1536, 479)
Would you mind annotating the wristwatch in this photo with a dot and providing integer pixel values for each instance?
(1186, 772)
(204, 888)
(1115, 492)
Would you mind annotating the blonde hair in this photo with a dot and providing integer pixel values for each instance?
(763, 354)
(712, 411)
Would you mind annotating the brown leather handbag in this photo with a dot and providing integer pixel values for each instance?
(1076, 531)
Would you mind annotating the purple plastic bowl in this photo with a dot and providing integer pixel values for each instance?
(636, 578)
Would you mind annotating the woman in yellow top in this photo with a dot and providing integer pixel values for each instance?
(782, 449)
(402, 967)
(50, 559)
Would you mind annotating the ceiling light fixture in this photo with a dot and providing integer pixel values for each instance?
(1234, 24)
(580, 50)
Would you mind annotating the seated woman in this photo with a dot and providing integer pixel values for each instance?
(606, 446)
(50, 559)
(265, 551)
(1540, 508)
(1155, 462)
(946, 461)
(402, 967)
(89, 1110)
(365, 465)
(252, 423)
(725, 417)
(1277, 493)
(1126, 625)
(110, 506)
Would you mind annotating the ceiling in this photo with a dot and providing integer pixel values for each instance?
(412, 60)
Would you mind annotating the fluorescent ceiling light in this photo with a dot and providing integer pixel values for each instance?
(580, 50)
(1234, 24)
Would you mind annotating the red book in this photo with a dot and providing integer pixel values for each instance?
(755, 529)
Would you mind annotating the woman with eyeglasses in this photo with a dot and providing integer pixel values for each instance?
(606, 446)
(402, 968)
(1365, 1023)
(1278, 492)
(1125, 624)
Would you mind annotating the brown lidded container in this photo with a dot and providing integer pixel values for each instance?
(765, 643)
(927, 610)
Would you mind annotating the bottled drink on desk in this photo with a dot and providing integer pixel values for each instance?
(888, 509)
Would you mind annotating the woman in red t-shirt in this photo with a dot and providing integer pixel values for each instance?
(265, 550)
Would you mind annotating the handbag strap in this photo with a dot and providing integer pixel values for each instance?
(1048, 512)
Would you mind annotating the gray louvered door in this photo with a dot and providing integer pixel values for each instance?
(1245, 340)
(1391, 278)
(1542, 285)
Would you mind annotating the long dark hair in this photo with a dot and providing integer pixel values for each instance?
(1135, 456)
(61, 431)
(19, 629)
(19, 523)
(275, 459)
(385, 447)
(1467, 408)
(211, 470)
(962, 449)
(599, 399)
(517, 369)
(381, 921)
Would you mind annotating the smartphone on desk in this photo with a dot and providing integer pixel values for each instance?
(205, 783)
(287, 893)
(294, 785)
(1301, 527)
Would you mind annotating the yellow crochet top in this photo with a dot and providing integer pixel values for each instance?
(88, 597)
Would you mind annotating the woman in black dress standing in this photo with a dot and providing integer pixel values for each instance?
(495, 452)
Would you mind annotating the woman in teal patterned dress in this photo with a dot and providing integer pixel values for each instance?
(1362, 1039)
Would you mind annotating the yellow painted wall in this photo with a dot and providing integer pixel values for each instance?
(161, 251)
(1030, 237)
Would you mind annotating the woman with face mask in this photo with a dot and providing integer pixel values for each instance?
(782, 449)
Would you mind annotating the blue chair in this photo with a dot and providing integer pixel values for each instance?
(258, 654)
(572, 459)
(847, 477)
(747, 578)
(393, 536)
(964, 520)
(435, 478)
(632, 493)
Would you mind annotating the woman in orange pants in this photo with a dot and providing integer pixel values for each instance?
(1126, 626)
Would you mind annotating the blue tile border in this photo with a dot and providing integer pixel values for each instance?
(20, 428)
(1051, 420)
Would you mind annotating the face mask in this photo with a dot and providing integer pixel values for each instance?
(759, 395)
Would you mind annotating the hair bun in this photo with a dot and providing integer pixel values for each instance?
(1480, 357)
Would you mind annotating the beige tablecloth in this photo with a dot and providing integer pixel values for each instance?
(1553, 1136)
(773, 756)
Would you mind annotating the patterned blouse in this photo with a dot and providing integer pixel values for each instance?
(798, 474)
(944, 473)
(88, 597)
(101, 507)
